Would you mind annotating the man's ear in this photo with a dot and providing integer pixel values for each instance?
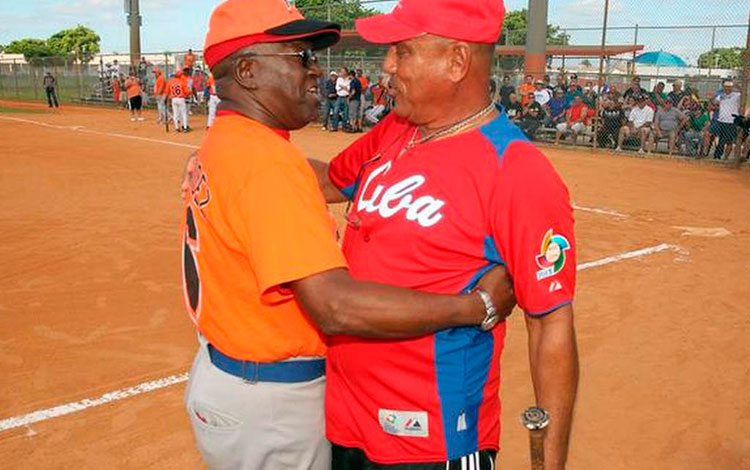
(245, 72)
(460, 57)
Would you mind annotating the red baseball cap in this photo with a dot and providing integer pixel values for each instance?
(236, 24)
(477, 21)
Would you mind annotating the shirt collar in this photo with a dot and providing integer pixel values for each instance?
(283, 133)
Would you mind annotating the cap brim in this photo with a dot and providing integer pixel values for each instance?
(321, 34)
(385, 29)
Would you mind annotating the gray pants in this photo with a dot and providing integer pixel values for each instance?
(256, 426)
(354, 106)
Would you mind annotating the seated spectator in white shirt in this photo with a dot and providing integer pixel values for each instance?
(541, 94)
(639, 123)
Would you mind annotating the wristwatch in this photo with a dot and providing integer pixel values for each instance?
(492, 317)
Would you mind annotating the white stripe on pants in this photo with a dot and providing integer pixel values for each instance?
(213, 102)
(179, 112)
(256, 426)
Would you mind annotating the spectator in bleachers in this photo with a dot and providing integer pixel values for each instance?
(615, 95)
(658, 97)
(728, 102)
(635, 88)
(505, 91)
(678, 95)
(576, 120)
(555, 109)
(526, 88)
(329, 98)
(613, 118)
(668, 124)
(639, 124)
(571, 93)
(363, 80)
(697, 136)
(514, 108)
(548, 83)
(542, 95)
(628, 105)
(532, 117)
(574, 83)
(143, 67)
(589, 97)
(602, 87)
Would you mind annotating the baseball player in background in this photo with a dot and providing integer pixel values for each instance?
(177, 90)
(160, 95)
(443, 188)
(259, 246)
(213, 100)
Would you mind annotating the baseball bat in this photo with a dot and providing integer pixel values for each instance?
(536, 421)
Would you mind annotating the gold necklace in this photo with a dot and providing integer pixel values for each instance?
(451, 129)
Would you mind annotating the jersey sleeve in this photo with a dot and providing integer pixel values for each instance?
(287, 230)
(345, 167)
(532, 223)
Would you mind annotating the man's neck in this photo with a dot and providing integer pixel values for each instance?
(256, 113)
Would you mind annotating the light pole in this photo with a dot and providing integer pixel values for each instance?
(536, 39)
(132, 9)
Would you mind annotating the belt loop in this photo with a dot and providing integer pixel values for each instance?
(255, 370)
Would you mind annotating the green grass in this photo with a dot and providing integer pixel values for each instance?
(4, 109)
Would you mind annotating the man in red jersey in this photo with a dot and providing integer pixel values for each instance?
(442, 189)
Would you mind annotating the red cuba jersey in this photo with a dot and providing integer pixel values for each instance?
(436, 217)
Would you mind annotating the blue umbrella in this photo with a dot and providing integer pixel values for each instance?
(660, 59)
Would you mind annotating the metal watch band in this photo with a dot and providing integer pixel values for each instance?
(491, 317)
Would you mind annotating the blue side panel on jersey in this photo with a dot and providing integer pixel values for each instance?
(501, 133)
(348, 191)
(462, 361)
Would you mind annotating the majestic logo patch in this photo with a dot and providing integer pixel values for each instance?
(551, 257)
(404, 423)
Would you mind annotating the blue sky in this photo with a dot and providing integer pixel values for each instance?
(177, 25)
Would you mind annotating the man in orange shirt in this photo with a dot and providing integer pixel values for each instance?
(526, 88)
(263, 273)
(177, 89)
(135, 100)
(160, 95)
(189, 61)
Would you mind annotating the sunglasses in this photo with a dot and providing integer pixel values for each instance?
(307, 56)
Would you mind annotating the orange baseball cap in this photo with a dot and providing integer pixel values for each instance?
(236, 24)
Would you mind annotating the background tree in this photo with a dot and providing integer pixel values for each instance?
(514, 32)
(80, 42)
(343, 12)
(30, 48)
(723, 58)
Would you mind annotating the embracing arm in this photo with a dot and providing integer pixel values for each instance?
(553, 355)
(329, 190)
(339, 304)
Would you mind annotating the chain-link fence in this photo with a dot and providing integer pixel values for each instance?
(599, 56)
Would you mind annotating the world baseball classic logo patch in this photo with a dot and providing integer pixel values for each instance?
(551, 257)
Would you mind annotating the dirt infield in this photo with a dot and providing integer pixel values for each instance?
(90, 302)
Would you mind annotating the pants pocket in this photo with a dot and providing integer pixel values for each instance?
(218, 436)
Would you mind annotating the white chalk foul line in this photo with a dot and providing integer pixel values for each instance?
(595, 210)
(68, 408)
(74, 407)
(628, 255)
(93, 132)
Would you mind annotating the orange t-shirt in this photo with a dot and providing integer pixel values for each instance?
(211, 85)
(177, 87)
(254, 221)
(160, 87)
(524, 91)
(364, 82)
(133, 87)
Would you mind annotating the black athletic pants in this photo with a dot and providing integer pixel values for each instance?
(51, 97)
(345, 458)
